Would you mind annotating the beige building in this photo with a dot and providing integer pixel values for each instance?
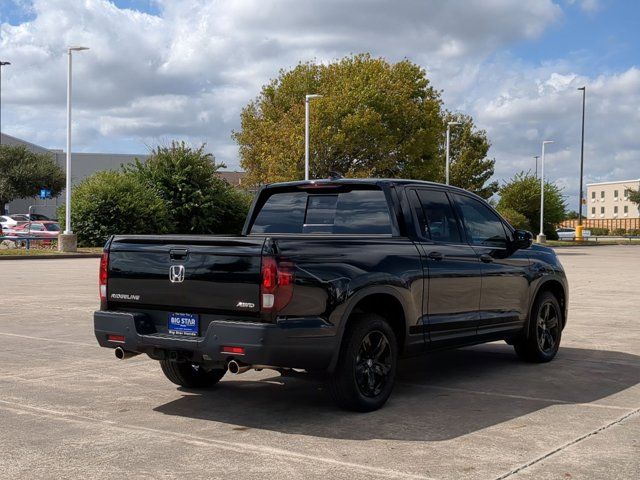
(610, 200)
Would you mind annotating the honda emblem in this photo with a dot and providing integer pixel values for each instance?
(176, 273)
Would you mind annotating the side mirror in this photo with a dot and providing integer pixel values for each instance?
(522, 239)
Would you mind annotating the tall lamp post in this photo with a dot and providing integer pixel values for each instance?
(579, 227)
(2, 64)
(447, 152)
(541, 236)
(67, 241)
(307, 99)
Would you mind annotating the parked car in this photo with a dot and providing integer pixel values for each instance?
(339, 277)
(566, 233)
(6, 222)
(25, 217)
(46, 230)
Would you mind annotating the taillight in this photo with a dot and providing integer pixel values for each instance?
(276, 288)
(103, 275)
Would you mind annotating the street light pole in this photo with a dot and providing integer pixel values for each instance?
(2, 64)
(67, 241)
(541, 236)
(447, 148)
(307, 98)
(579, 227)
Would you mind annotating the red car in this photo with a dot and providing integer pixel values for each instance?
(47, 230)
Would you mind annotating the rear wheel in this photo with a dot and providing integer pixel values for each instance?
(366, 368)
(545, 330)
(191, 375)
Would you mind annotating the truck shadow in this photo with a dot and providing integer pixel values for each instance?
(437, 397)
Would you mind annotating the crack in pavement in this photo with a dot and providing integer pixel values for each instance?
(568, 444)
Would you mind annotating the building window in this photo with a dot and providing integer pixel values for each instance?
(615, 194)
(615, 209)
(593, 194)
(593, 210)
(602, 194)
(626, 209)
(602, 210)
(627, 192)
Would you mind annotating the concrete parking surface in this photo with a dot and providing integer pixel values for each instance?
(69, 409)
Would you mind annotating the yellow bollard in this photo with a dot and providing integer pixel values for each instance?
(579, 229)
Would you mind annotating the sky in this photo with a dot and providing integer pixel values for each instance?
(164, 69)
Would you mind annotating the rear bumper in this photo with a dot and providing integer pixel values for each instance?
(308, 343)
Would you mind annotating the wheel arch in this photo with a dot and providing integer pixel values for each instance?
(382, 301)
(557, 288)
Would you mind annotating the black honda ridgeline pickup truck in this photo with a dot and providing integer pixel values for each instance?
(340, 277)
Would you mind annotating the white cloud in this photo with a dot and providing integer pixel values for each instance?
(188, 72)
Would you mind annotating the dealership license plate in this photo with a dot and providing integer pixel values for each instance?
(184, 324)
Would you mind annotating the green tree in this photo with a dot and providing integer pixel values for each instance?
(522, 195)
(197, 200)
(375, 119)
(109, 203)
(470, 167)
(516, 219)
(23, 173)
(634, 196)
(571, 215)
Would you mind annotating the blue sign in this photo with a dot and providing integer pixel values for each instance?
(44, 193)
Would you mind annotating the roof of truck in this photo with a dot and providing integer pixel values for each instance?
(360, 181)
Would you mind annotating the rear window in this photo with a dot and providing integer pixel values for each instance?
(52, 227)
(356, 212)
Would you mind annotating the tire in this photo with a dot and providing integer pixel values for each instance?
(191, 375)
(366, 369)
(545, 330)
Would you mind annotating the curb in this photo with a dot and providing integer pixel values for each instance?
(50, 257)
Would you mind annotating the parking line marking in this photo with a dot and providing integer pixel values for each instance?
(54, 340)
(518, 397)
(568, 444)
(235, 447)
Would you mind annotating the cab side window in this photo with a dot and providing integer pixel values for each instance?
(483, 226)
(440, 222)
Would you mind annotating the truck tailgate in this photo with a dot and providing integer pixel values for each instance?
(186, 273)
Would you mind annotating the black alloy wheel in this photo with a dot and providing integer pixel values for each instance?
(542, 340)
(365, 373)
(373, 364)
(548, 327)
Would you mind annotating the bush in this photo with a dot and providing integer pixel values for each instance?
(598, 231)
(522, 194)
(197, 200)
(619, 232)
(109, 203)
(516, 219)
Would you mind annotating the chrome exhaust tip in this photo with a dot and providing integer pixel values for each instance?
(237, 368)
(122, 354)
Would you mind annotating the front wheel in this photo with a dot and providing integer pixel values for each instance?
(191, 375)
(366, 369)
(545, 331)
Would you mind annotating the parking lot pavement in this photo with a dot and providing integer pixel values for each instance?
(69, 409)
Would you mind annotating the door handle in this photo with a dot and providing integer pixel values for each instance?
(486, 258)
(437, 256)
